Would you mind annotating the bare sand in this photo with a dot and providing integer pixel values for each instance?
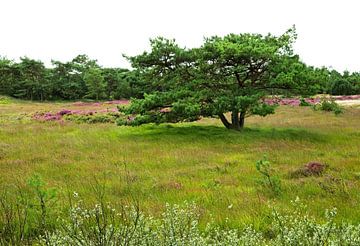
(354, 102)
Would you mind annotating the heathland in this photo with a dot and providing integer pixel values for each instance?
(200, 162)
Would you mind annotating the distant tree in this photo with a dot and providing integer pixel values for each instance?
(6, 75)
(116, 85)
(343, 84)
(122, 83)
(66, 83)
(95, 83)
(322, 78)
(354, 79)
(226, 74)
(69, 77)
(342, 87)
(138, 84)
(30, 80)
(334, 76)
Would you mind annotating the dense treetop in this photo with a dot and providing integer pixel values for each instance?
(233, 74)
(30, 79)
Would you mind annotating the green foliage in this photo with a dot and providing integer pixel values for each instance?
(304, 103)
(116, 84)
(5, 76)
(226, 74)
(4, 100)
(328, 105)
(95, 118)
(106, 224)
(122, 83)
(28, 212)
(76, 79)
(28, 79)
(44, 197)
(342, 87)
(333, 82)
(298, 227)
(269, 179)
(95, 83)
(218, 65)
(67, 78)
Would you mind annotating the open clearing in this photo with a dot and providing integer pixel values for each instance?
(349, 102)
(201, 162)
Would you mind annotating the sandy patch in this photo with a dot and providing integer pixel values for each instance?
(354, 102)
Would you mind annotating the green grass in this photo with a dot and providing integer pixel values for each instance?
(201, 161)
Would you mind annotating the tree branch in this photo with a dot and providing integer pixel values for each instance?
(225, 121)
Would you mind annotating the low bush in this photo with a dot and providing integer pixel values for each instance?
(304, 103)
(269, 179)
(94, 118)
(328, 105)
(310, 169)
(4, 100)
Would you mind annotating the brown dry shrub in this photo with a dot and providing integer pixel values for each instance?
(310, 169)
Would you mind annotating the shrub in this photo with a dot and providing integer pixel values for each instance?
(27, 212)
(304, 103)
(4, 100)
(329, 105)
(310, 169)
(269, 180)
(298, 228)
(179, 225)
(94, 118)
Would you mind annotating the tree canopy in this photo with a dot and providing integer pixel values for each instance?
(30, 79)
(233, 74)
(95, 83)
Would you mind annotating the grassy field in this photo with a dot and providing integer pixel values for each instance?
(201, 161)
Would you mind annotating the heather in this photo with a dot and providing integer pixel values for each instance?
(66, 114)
(108, 111)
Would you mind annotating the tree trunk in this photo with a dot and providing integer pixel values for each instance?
(242, 119)
(225, 121)
(235, 123)
(237, 120)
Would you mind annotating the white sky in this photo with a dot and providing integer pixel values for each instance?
(328, 30)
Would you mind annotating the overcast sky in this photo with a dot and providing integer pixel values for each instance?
(328, 30)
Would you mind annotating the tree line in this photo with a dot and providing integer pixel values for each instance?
(79, 78)
(83, 78)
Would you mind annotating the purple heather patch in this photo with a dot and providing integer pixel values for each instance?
(50, 116)
(57, 116)
(290, 101)
(64, 112)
